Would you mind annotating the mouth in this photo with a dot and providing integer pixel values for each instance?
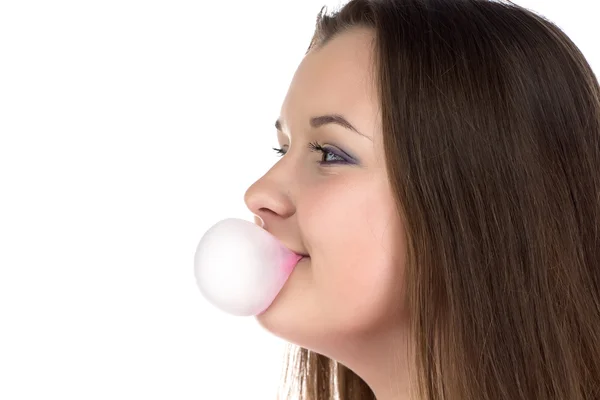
(303, 257)
(303, 260)
(301, 254)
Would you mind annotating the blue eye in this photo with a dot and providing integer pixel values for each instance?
(315, 146)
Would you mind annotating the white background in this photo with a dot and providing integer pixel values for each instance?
(127, 129)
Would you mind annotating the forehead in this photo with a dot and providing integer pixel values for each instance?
(337, 78)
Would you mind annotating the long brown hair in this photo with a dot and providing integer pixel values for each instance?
(491, 126)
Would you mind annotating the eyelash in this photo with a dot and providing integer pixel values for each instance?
(315, 146)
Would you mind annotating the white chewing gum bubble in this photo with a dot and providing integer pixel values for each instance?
(240, 267)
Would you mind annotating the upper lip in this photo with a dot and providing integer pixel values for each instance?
(292, 249)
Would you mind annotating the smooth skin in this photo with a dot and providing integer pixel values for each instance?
(345, 301)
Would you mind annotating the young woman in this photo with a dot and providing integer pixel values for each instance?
(441, 172)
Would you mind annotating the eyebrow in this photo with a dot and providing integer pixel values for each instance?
(316, 122)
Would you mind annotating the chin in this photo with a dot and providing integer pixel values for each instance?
(283, 311)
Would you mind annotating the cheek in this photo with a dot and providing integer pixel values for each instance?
(357, 244)
(360, 287)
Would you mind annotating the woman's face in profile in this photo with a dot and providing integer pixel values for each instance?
(336, 206)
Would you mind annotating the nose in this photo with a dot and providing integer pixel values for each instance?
(268, 200)
(258, 221)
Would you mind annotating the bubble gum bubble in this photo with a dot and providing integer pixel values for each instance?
(240, 267)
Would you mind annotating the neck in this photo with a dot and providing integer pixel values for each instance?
(381, 360)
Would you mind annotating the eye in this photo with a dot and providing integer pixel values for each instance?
(329, 156)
